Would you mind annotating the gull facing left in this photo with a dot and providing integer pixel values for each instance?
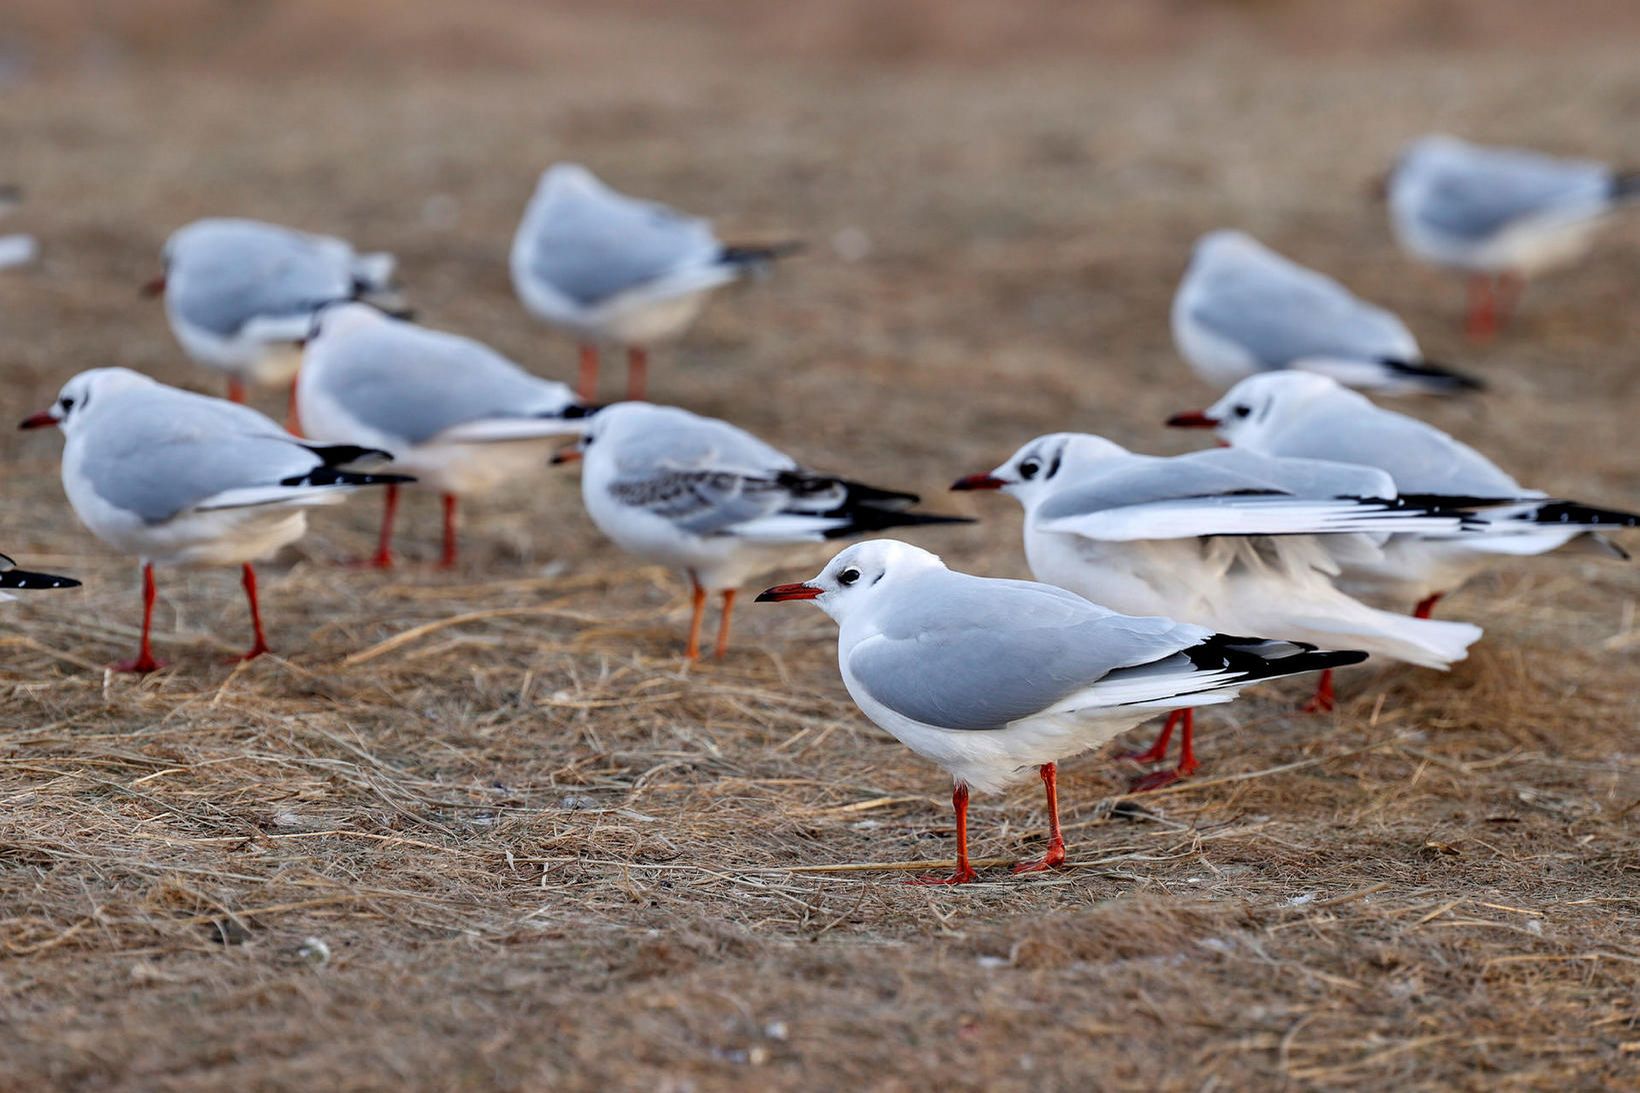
(177, 478)
(994, 678)
(1242, 309)
(700, 495)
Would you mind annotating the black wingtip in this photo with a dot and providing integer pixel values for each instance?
(25, 579)
(1435, 378)
(338, 455)
(1625, 185)
(335, 476)
(750, 255)
(1576, 514)
(1264, 658)
(866, 520)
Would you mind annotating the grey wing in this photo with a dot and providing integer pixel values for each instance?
(229, 280)
(964, 652)
(1419, 457)
(704, 475)
(592, 246)
(414, 383)
(1143, 479)
(168, 451)
(703, 502)
(1280, 313)
(1489, 191)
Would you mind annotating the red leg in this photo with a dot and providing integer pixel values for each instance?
(1509, 288)
(589, 373)
(1427, 605)
(723, 623)
(1323, 700)
(384, 545)
(447, 560)
(1157, 751)
(1187, 756)
(1482, 323)
(293, 420)
(1055, 856)
(144, 661)
(692, 650)
(637, 372)
(236, 389)
(965, 872)
(261, 645)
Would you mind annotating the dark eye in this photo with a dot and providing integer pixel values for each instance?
(848, 576)
(66, 403)
(1028, 469)
(1241, 411)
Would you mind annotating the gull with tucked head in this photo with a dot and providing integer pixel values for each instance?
(994, 679)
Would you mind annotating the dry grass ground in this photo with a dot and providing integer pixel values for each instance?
(522, 847)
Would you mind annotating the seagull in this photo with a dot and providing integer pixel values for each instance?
(240, 294)
(1500, 215)
(702, 496)
(178, 478)
(451, 411)
(610, 268)
(1311, 417)
(12, 578)
(990, 678)
(1242, 309)
(1227, 539)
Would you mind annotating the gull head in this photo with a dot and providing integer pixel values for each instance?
(857, 576)
(1043, 465)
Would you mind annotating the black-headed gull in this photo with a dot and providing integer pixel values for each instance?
(240, 294)
(1311, 417)
(176, 478)
(1500, 215)
(994, 678)
(21, 580)
(1238, 542)
(610, 268)
(703, 496)
(453, 412)
(1242, 309)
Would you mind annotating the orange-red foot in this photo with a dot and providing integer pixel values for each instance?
(142, 664)
(1153, 754)
(1156, 779)
(961, 876)
(1053, 859)
(255, 651)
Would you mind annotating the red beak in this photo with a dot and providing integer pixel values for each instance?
(782, 592)
(41, 420)
(978, 482)
(1193, 419)
(153, 287)
(565, 455)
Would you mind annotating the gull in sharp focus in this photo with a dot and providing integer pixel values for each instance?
(1242, 309)
(1236, 542)
(241, 294)
(700, 495)
(1500, 215)
(609, 268)
(453, 412)
(994, 678)
(14, 579)
(177, 478)
(1311, 417)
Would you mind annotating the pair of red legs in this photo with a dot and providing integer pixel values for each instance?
(1157, 753)
(637, 373)
(1491, 303)
(383, 558)
(144, 660)
(692, 650)
(293, 420)
(1053, 859)
(1323, 702)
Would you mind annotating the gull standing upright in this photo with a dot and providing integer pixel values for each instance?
(1242, 309)
(712, 500)
(178, 478)
(610, 268)
(240, 294)
(451, 411)
(1237, 542)
(14, 579)
(991, 678)
(1500, 215)
(1311, 417)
